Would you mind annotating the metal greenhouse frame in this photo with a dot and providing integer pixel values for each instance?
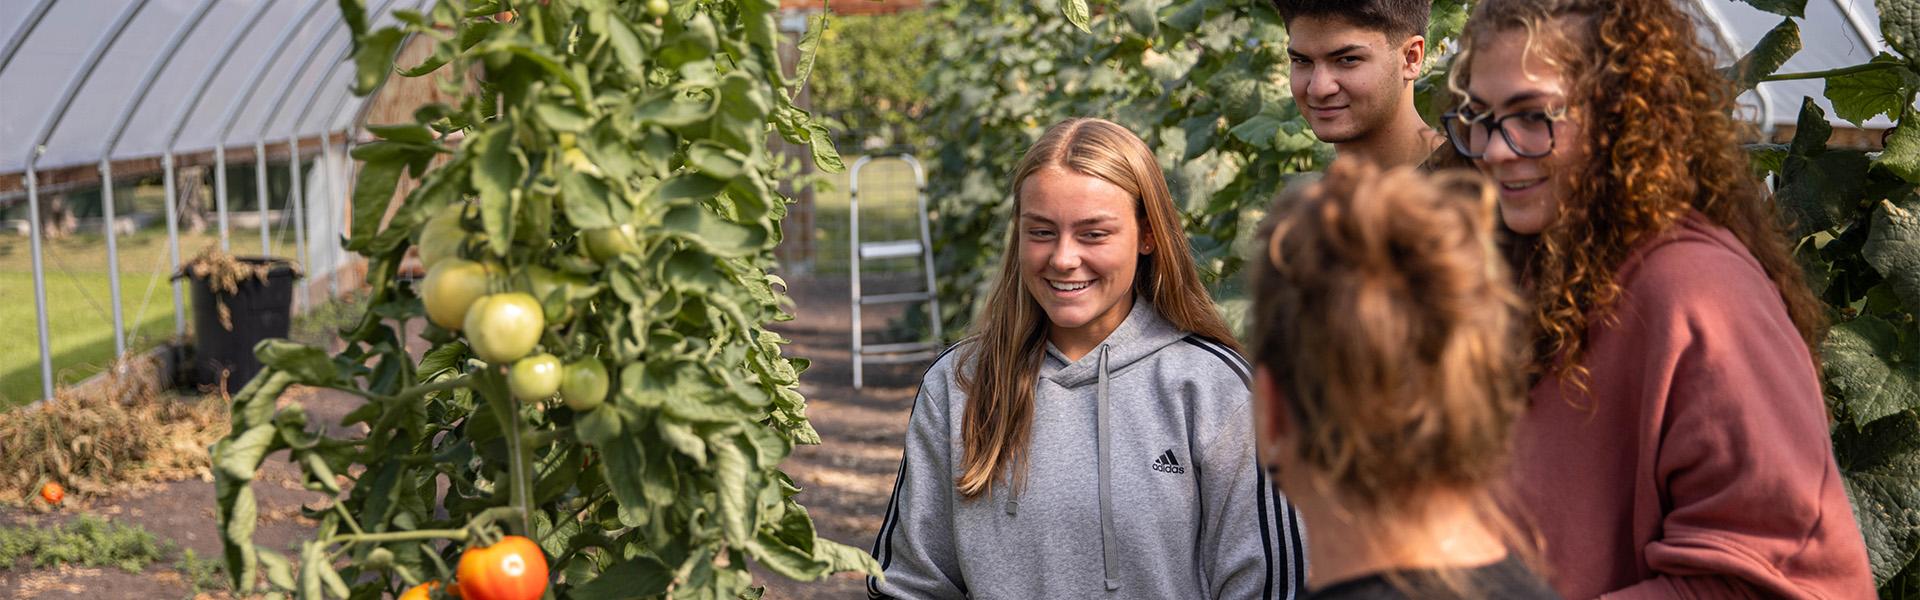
(343, 115)
(105, 82)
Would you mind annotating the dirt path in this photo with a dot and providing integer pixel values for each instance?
(845, 481)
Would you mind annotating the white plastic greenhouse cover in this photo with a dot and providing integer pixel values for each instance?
(261, 70)
(1834, 34)
(297, 49)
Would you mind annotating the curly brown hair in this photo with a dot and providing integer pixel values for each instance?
(1385, 313)
(1386, 317)
(1661, 142)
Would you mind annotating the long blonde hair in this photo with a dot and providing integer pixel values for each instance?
(1009, 340)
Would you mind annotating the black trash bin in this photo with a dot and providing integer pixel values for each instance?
(256, 310)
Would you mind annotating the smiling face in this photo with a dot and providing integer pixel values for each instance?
(1080, 243)
(1509, 78)
(1348, 80)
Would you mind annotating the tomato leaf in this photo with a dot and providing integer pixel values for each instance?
(1076, 12)
(638, 577)
(496, 175)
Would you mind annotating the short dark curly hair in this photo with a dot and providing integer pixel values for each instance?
(1399, 19)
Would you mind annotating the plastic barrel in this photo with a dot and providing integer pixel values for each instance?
(257, 310)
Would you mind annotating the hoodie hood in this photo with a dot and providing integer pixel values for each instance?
(1143, 333)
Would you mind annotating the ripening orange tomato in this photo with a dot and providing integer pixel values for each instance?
(514, 569)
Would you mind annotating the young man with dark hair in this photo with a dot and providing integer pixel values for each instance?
(1354, 65)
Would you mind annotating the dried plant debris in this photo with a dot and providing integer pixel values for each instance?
(125, 431)
(224, 273)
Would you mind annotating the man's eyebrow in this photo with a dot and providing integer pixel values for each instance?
(1336, 53)
(1347, 49)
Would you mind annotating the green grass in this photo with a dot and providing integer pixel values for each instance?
(86, 541)
(79, 319)
(887, 213)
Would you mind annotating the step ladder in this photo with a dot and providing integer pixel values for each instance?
(860, 251)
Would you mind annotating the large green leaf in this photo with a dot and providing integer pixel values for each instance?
(371, 196)
(809, 51)
(1860, 96)
(373, 58)
(1879, 464)
(1873, 367)
(1900, 24)
(1818, 187)
(496, 176)
(1774, 49)
(1893, 248)
(307, 364)
(638, 577)
(709, 232)
(1785, 8)
(1077, 13)
(733, 480)
(1902, 154)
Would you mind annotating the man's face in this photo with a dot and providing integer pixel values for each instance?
(1349, 80)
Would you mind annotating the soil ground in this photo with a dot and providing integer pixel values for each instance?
(845, 480)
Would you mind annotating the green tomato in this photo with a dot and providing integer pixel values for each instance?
(441, 238)
(584, 386)
(658, 8)
(544, 284)
(609, 243)
(450, 290)
(501, 328)
(534, 378)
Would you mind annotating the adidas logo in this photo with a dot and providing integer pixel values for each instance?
(1168, 464)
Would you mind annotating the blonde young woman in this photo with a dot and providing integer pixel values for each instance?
(1092, 439)
(1676, 445)
(1387, 382)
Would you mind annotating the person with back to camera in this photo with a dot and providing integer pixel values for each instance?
(1676, 445)
(1091, 438)
(1388, 377)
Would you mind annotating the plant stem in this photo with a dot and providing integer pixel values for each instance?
(518, 471)
(458, 535)
(347, 518)
(1860, 68)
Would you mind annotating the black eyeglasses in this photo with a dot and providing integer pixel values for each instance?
(1528, 134)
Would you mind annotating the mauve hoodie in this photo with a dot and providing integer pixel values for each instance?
(1699, 466)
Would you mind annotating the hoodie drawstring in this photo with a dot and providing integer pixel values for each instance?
(1108, 547)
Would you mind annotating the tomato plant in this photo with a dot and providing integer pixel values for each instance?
(573, 117)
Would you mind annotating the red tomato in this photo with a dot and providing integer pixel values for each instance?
(425, 591)
(53, 493)
(513, 569)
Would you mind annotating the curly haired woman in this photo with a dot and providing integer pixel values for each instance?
(1676, 445)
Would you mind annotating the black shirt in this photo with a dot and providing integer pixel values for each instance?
(1504, 580)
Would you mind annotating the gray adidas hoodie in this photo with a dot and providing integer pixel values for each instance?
(1141, 483)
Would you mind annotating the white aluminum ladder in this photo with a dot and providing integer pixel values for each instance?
(906, 351)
